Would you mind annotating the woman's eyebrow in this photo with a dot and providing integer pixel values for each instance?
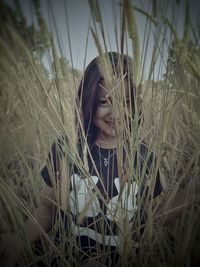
(107, 97)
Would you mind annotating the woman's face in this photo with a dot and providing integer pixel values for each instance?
(112, 110)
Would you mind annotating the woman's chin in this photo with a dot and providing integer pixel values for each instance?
(113, 132)
(109, 133)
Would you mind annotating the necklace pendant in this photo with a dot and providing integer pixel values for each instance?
(106, 162)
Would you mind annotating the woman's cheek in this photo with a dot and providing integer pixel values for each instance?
(102, 112)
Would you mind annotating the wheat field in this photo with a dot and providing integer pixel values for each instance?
(37, 108)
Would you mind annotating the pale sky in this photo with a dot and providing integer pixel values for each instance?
(78, 15)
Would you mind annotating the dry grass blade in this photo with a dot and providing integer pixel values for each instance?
(133, 35)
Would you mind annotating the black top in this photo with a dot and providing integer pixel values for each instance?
(99, 194)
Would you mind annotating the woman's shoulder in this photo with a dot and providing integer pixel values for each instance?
(147, 155)
(149, 160)
(64, 147)
(145, 149)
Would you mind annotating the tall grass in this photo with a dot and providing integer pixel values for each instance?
(36, 110)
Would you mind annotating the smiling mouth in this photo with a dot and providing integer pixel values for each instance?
(113, 124)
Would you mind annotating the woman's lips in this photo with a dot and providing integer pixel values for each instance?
(113, 124)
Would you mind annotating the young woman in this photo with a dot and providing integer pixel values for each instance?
(106, 190)
(107, 184)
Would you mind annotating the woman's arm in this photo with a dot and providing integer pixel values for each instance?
(43, 216)
(41, 221)
(189, 196)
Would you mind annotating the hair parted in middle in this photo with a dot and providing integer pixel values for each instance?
(88, 92)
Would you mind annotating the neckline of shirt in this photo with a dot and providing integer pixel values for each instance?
(105, 148)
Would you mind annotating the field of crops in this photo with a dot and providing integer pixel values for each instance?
(37, 107)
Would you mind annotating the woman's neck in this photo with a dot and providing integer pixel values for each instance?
(106, 143)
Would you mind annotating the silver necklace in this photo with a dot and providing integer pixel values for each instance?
(106, 160)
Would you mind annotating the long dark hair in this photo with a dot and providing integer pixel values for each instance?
(88, 89)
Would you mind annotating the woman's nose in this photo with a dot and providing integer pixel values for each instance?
(116, 114)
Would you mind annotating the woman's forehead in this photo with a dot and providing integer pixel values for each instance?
(118, 85)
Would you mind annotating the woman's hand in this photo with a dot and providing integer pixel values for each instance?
(10, 249)
(182, 202)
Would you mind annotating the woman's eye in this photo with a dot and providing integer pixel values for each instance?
(104, 102)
